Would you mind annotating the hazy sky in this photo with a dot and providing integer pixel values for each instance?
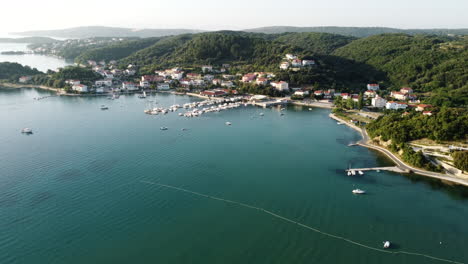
(21, 15)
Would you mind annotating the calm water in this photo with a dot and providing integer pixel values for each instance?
(41, 62)
(73, 193)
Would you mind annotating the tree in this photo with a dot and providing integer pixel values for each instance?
(460, 160)
(360, 103)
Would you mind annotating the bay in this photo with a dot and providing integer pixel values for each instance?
(79, 189)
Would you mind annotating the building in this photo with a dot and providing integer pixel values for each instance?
(296, 63)
(379, 102)
(24, 79)
(227, 84)
(248, 77)
(427, 113)
(281, 85)
(208, 77)
(392, 105)
(105, 82)
(164, 86)
(318, 92)
(345, 96)
(399, 95)
(72, 82)
(290, 56)
(373, 86)
(406, 90)
(370, 93)
(177, 75)
(302, 93)
(144, 84)
(355, 97)
(108, 74)
(129, 86)
(422, 107)
(216, 81)
(193, 75)
(284, 65)
(308, 62)
(262, 81)
(80, 88)
(213, 93)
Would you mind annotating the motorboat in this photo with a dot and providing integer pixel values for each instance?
(361, 173)
(353, 172)
(358, 191)
(310, 109)
(349, 173)
(262, 114)
(339, 123)
(163, 128)
(228, 123)
(103, 107)
(26, 130)
(386, 244)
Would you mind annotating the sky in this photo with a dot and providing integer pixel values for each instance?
(23, 15)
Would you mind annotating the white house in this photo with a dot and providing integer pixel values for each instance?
(227, 84)
(406, 90)
(72, 82)
(378, 102)
(308, 62)
(399, 95)
(108, 74)
(129, 86)
(177, 75)
(301, 93)
(284, 65)
(280, 86)
(392, 105)
(291, 56)
(105, 82)
(163, 86)
(262, 81)
(373, 86)
(370, 93)
(24, 79)
(80, 88)
(208, 77)
(144, 84)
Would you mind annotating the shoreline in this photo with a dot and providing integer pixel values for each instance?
(365, 142)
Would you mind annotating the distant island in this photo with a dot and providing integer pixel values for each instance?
(97, 31)
(28, 40)
(13, 53)
(100, 31)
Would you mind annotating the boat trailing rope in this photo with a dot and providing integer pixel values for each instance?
(303, 225)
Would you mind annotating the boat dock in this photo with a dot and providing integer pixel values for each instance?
(394, 169)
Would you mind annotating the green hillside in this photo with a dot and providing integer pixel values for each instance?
(426, 63)
(116, 51)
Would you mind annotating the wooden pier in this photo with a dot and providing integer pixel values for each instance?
(394, 169)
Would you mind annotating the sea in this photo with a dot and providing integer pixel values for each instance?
(109, 186)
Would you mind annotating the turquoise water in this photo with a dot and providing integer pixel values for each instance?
(73, 192)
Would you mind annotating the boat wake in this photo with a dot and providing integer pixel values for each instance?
(302, 225)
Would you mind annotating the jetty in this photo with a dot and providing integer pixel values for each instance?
(393, 168)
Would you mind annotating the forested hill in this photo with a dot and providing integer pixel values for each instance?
(236, 48)
(358, 31)
(116, 51)
(12, 71)
(426, 63)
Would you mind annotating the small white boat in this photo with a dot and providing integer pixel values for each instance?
(386, 244)
(361, 173)
(358, 191)
(228, 123)
(378, 170)
(103, 107)
(349, 173)
(180, 114)
(184, 129)
(353, 172)
(262, 114)
(310, 109)
(163, 128)
(26, 130)
(339, 123)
